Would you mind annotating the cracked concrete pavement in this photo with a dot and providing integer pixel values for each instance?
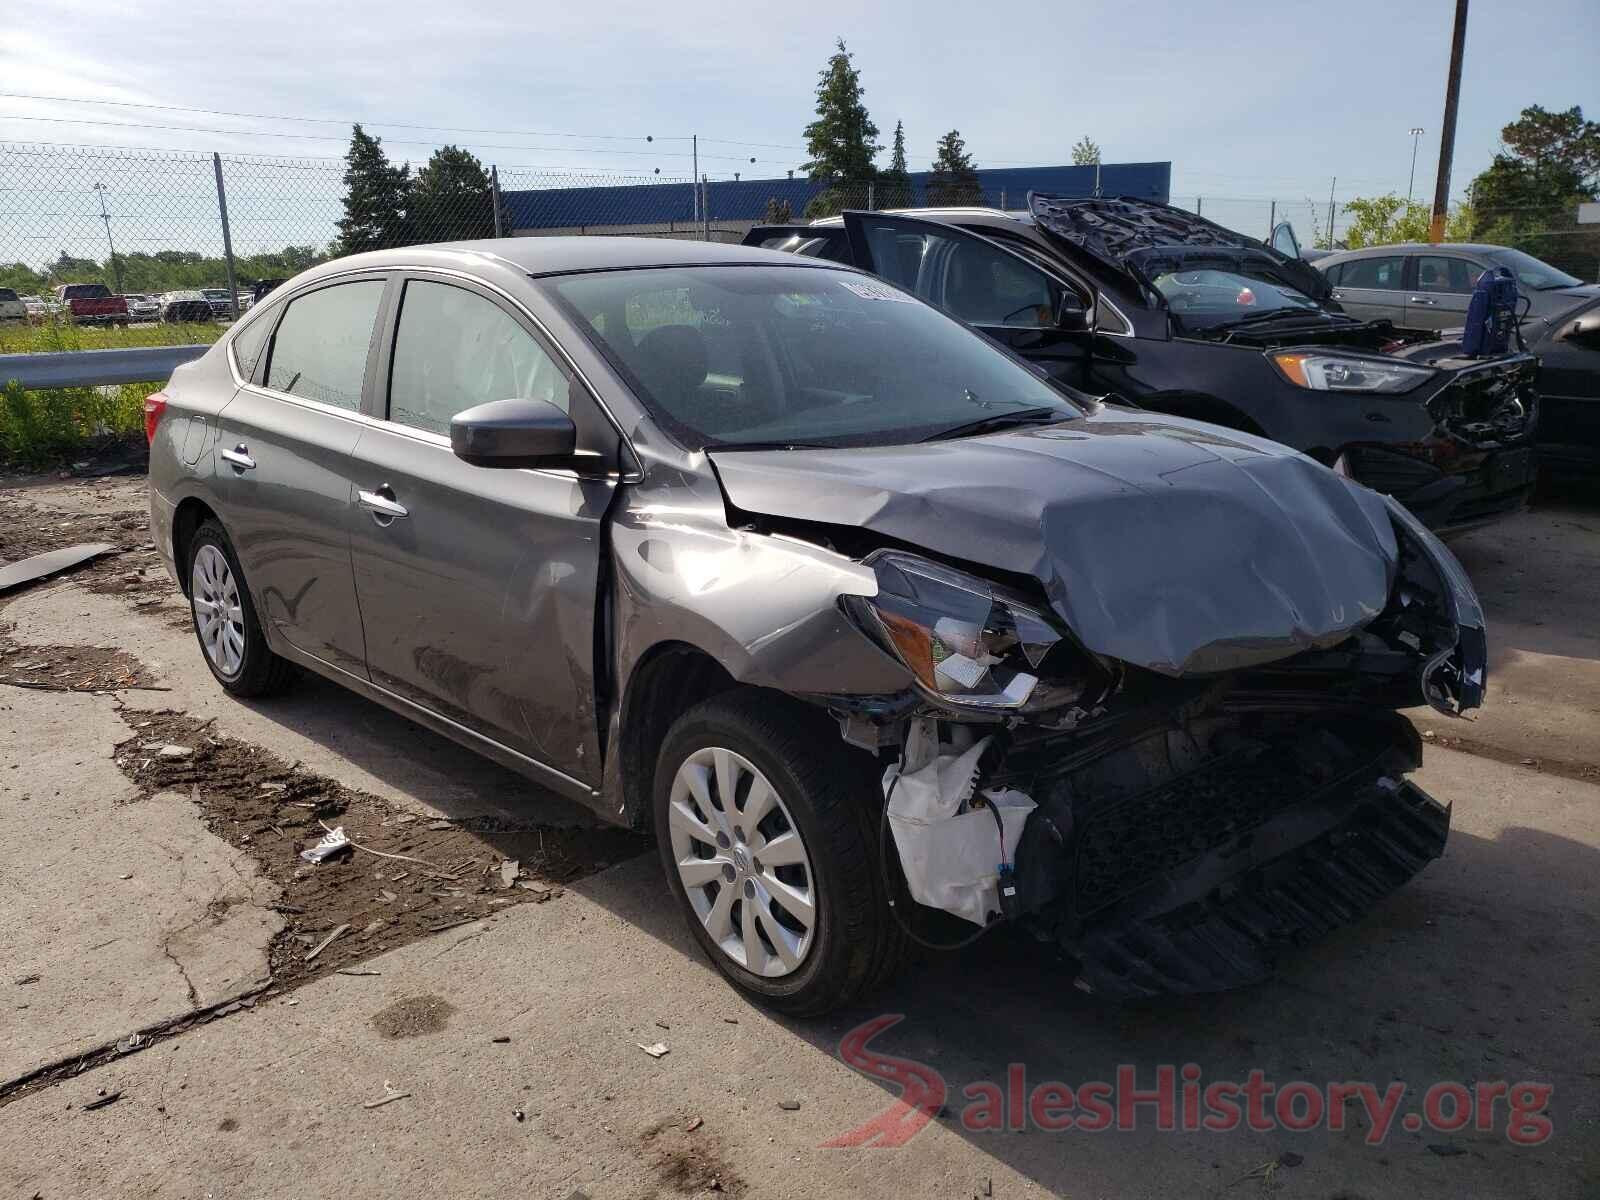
(1482, 969)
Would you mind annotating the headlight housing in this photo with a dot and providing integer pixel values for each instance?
(1323, 372)
(967, 643)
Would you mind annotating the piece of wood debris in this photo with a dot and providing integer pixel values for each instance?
(355, 971)
(654, 1049)
(693, 1125)
(326, 942)
(382, 1100)
(102, 1101)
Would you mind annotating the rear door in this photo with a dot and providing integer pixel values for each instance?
(284, 469)
(1372, 289)
(478, 585)
(1441, 291)
(1569, 387)
(1010, 298)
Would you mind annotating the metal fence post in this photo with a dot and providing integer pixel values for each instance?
(1199, 206)
(1272, 220)
(872, 196)
(227, 237)
(494, 191)
(705, 208)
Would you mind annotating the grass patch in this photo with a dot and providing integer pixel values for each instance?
(46, 427)
(54, 336)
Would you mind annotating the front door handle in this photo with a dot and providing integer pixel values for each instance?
(382, 504)
(239, 458)
(1421, 300)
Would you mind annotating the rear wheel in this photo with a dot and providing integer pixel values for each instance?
(762, 820)
(225, 623)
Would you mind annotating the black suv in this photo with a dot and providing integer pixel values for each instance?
(1161, 309)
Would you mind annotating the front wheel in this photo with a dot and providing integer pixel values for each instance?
(762, 820)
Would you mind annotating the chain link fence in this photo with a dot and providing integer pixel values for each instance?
(155, 224)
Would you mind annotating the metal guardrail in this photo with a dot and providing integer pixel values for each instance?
(93, 368)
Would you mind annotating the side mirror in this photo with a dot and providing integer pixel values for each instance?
(1071, 315)
(514, 433)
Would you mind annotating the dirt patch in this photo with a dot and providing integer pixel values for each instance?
(1565, 768)
(688, 1162)
(413, 1016)
(73, 668)
(404, 877)
(50, 515)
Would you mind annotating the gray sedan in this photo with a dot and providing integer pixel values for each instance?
(1425, 288)
(883, 635)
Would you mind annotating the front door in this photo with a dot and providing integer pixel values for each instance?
(477, 585)
(284, 467)
(989, 286)
(1443, 290)
(1372, 289)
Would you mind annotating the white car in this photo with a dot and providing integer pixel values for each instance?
(142, 307)
(11, 306)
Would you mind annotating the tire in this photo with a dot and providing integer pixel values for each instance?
(234, 648)
(825, 795)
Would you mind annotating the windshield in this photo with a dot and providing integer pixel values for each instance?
(1532, 274)
(1213, 297)
(756, 356)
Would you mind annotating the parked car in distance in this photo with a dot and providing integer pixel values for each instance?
(143, 307)
(185, 306)
(748, 549)
(11, 306)
(1425, 288)
(91, 304)
(262, 289)
(1171, 312)
(220, 300)
(39, 309)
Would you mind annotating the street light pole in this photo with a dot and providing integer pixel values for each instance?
(116, 267)
(1416, 136)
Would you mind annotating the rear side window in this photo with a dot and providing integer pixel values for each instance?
(455, 349)
(320, 348)
(248, 344)
(86, 291)
(1383, 274)
(1435, 273)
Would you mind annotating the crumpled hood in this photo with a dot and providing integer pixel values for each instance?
(1166, 543)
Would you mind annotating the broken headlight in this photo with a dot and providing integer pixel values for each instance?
(1347, 372)
(967, 643)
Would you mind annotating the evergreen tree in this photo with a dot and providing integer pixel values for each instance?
(842, 141)
(954, 179)
(894, 185)
(451, 199)
(1086, 153)
(375, 197)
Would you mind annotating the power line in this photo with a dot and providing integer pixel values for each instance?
(319, 137)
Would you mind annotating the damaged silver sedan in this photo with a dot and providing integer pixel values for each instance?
(885, 636)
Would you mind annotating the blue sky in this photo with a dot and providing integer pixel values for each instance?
(1249, 101)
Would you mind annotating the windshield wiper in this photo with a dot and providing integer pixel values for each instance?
(1273, 314)
(1038, 415)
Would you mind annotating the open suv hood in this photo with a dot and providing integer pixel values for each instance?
(1144, 239)
(1165, 543)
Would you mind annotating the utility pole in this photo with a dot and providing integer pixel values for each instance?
(227, 238)
(1416, 136)
(1332, 183)
(1447, 136)
(116, 267)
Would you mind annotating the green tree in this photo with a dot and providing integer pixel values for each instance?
(375, 197)
(1086, 153)
(778, 212)
(451, 199)
(954, 179)
(21, 278)
(842, 141)
(1529, 195)
(894, 185)
(1382, 220)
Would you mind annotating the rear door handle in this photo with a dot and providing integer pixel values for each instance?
(1421, 300)
(380, 505)
(239, 458)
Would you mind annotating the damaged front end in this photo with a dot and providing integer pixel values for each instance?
(1171, 832)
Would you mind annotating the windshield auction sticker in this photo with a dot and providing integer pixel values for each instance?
(875, 291)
